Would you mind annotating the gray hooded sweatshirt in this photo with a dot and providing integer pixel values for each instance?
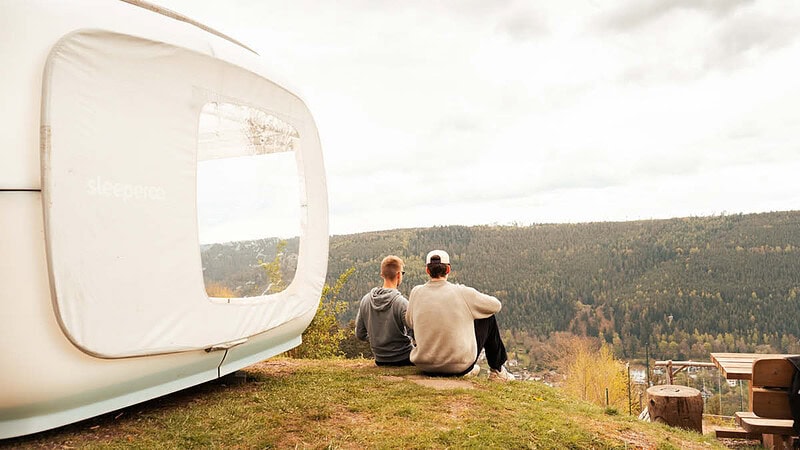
(381, 321)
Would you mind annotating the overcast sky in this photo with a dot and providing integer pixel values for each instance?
(480, 112)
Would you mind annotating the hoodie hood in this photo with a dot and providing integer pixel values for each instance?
(381, 298)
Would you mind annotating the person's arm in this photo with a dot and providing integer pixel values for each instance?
(361, 327)
(481, 305)
(409, 320)
(400, 316)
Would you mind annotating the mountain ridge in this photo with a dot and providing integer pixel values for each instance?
(681, 287)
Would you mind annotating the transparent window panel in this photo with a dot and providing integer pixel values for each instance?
(248, 201)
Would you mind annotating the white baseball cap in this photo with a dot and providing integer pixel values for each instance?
(441, 255)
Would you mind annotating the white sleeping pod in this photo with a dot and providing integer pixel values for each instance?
(115, 114)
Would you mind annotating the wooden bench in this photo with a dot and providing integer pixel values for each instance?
(735, 433)
(769, 403)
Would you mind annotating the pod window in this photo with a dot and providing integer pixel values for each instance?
(248, 201)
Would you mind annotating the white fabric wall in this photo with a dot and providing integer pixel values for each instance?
(120, 116)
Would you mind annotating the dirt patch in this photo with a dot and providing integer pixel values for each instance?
(275, 367)
(360, 364)
(391, 378)
(441, 383)
(335, 430)
(459, 409)
(634, 439)
(638, 439)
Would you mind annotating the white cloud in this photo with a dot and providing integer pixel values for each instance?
(482, 112)
(637, 13)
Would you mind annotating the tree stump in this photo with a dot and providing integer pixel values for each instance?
(677, 406)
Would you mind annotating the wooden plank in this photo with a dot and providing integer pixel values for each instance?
(735, 433)
(684, 363)
(770, 403)
(744, 356)
(755, 424)
(769, 396)
(733, 366)
(773, 372)
(738, 366)
(741, 415)
(736, 373)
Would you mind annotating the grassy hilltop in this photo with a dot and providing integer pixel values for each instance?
(289, 403)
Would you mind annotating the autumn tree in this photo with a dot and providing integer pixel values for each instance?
(594, 375)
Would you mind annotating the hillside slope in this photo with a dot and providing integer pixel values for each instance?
(353, 404)
(723, 283)
(685, 286)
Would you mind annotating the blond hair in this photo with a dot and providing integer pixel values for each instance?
(391, 266)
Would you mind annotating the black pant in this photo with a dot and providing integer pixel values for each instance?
(402, 362)
(487, 336)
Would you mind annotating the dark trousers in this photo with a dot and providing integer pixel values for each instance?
(487, 336)
(402, 362)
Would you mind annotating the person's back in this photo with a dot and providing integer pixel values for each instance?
(443, 316)
(452, 323)
(381, 317)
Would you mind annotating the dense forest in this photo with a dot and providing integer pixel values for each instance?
(682, 287)
(239, 266)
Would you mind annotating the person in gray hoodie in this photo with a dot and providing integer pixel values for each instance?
(381, 317)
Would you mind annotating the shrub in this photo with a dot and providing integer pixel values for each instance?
(323, 336)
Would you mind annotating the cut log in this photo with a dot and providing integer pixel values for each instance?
(677, 406)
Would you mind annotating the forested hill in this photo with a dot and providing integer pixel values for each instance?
(692, 284)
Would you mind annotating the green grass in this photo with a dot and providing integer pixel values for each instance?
(354, 404)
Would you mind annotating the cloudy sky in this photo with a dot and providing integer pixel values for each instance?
(480, 112)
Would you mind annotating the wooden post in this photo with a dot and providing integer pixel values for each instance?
(777, 442)
(677, 406)
(669, 372)
(630, 408)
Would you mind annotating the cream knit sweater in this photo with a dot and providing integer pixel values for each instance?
(442, 316)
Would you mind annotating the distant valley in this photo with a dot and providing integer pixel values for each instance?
(683, 286)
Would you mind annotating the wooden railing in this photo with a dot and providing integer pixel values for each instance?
(673, 367)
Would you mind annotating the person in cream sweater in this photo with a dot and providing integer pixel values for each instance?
(452, 323)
